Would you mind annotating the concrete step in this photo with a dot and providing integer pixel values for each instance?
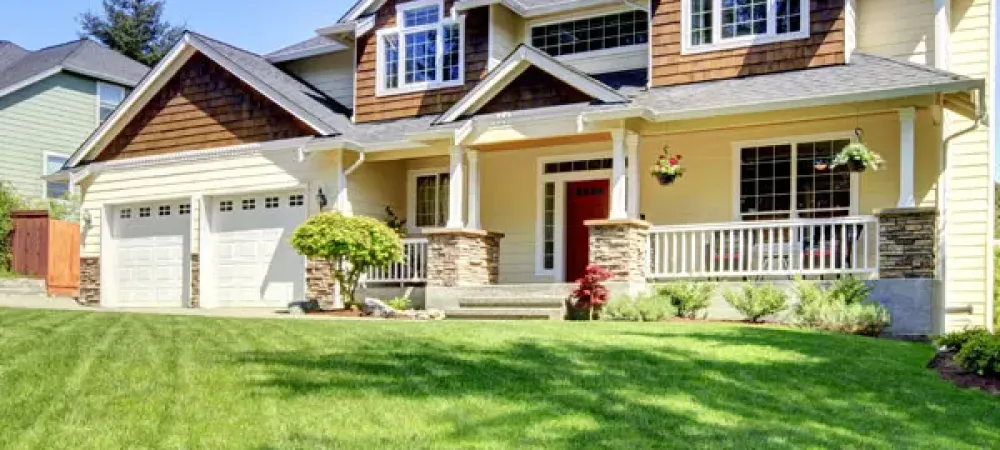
(21, 287)
(490, 313)
(508, 291)
(513, 302)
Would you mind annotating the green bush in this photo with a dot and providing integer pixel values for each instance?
(352, 244)
(996, 286)
(689, 299)
(842, 308)
(400, 303)
(980, 354)
(648, 307)
(955, 340)
(10, 201)
(757, 301)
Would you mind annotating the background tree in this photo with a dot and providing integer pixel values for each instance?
(134, 28)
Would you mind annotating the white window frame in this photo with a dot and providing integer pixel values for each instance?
(411, 198)
(558, 270)
(99, 104)
(45, 165)
(718, 43)
(794, 141)
(610, 53)
(400, 32)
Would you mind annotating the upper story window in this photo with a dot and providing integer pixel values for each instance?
(592, 34)
(424, 51)
(724, 24)
(54, 163)
(109, 97)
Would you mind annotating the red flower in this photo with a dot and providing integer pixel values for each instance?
(673, 161)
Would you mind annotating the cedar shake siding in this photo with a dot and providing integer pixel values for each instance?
(534, 88)
(824, 47)
(203, 106)
(370, 108)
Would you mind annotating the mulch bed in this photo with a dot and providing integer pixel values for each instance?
(336, 313)
(944, 363)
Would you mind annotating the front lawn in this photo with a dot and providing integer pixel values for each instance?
(93, 380)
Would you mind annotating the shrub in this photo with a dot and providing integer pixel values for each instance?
(352, 244)
(400, 303)
(980, 354)
(688, 298)
(10, 201)
(996, 286)
(842, 308)
(757, 301)
(591, 293)
(647, 307)
(849, 290)
(955, 340)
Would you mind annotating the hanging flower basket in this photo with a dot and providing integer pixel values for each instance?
(855, 165)
(668, 168)
(857, 157)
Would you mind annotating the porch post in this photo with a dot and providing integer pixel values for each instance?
(618, 177)
(942, 32)
(632, 144)
(473, 157)
(455, 185)
(341, 202)
(907, 143)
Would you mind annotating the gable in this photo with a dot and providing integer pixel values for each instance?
(202, 106)
(534, 88)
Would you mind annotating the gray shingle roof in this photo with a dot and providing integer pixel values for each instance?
(874, 76)
(307, 100)
(310, 47)
(83, 57)
(9, 53)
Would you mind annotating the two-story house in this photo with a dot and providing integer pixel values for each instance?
(518, 135)
(51, 100)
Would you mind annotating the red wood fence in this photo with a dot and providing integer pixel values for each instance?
(49, 249)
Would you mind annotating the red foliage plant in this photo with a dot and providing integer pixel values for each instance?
(590, 292)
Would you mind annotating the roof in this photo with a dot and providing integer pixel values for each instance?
(318, 45)
(83, 57)
(867, 77)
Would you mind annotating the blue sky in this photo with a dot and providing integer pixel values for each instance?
(258, 25)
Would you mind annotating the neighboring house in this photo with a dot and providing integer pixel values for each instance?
(51, 100)
(516, 135)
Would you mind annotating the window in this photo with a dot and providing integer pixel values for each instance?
(145, 211)
(53, 164)
(165, 210)
(549, 228)
(597, 33)
(125, 213)
(721, 24)
(249, 204)
(794, 181)
(226, 206)
(109, 97)
(424, 51)
(578, 166)
(296, 200)
(184, 209)
(432, 197)
(272, 202)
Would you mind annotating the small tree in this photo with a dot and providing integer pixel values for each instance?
(591, 293)
(352, 245)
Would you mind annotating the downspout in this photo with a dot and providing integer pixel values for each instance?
(981, 118)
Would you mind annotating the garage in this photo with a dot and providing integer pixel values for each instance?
(253, 264)
(151, 243)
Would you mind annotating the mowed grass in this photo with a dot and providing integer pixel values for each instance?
(94, 380)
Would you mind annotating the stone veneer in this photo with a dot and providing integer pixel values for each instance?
(620, 246)
(907, 242)
(90, 281)
(462, 257)
(195, 299)
(319, 282)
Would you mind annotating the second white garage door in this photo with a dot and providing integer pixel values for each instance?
(254, 264)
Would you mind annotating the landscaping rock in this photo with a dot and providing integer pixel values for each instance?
(375, 307)
(302, 308)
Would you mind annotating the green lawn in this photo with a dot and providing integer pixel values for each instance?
(92, 380)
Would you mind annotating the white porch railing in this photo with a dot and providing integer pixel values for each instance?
(783, 248)
(413, 268)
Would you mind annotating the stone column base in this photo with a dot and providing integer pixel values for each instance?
(462, 257)
(907, 243)
(320, 282)
(194, 301)
(90, 281)
(620, 246)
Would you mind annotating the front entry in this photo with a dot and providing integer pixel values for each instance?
(585, 200)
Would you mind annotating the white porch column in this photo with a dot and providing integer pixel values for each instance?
(455, 188)
(942, 33)
(341, 201)
(907, 144)
(618, 177)
(473, 158)
(632, 146)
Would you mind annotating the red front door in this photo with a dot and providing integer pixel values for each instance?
(585, 200)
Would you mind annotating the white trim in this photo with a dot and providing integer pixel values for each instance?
(30, 81)
(515, 64)
(718, 43)
(99, 104)
(558, 272)
(474, 207)
(334, 47)
(400, 32)
(942, 33)
(907, 146)
(45, 165)
(411, 197)
(991, 193)
(456, 185)
(794, 141)
(619, 182)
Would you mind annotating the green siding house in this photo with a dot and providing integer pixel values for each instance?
(50, 102)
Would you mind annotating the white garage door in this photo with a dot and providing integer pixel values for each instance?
(151, 262)
(254, 264)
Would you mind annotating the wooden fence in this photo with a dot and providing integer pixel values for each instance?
(47, 249)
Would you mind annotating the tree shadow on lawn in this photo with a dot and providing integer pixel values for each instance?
(743, 387)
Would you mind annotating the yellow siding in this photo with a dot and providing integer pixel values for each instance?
(897, 28)
(376, 185)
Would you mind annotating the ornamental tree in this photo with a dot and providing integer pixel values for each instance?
(352, 245)
(590, 292)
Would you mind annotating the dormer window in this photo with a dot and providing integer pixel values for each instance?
(710, 25)
(424, 51)
(592, 34)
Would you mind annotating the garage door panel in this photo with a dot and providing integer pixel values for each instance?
(152, 242)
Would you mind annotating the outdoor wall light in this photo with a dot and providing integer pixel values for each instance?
(321, 198)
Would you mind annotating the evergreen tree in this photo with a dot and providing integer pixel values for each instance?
(134, 28)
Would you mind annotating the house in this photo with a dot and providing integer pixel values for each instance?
(51, 100)
(517, 137)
